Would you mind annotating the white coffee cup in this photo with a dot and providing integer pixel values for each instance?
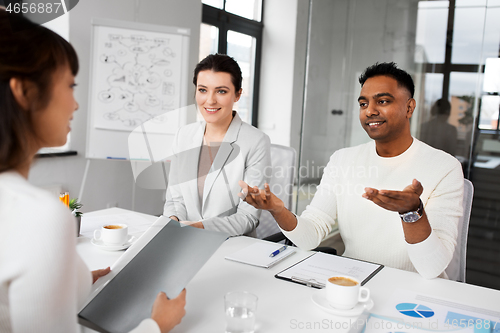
(344, 292)
(112, 234)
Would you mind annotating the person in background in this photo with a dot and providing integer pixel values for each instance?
(43, 281)
(438, 132)
(384, 214)
(212, 155)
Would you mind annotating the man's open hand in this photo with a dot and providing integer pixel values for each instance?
(397, 201)
(261, 199)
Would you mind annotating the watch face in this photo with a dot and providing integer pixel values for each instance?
(411, 217)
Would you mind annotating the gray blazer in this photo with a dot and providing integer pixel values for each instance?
(244, 154)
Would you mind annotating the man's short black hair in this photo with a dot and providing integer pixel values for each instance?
(389, 69)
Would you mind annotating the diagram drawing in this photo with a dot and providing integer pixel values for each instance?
(136, 77)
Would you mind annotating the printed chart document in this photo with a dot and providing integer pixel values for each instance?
(164, 259)
(257, 254)
(409, 311)
(314, 270)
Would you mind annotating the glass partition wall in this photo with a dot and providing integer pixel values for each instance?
(451, 48)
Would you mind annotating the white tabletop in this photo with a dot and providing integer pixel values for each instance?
(96, 258)
(285, 306)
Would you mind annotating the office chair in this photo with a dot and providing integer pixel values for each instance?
(456, 268)
(281, 184)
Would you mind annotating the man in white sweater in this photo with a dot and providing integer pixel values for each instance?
(397, 201)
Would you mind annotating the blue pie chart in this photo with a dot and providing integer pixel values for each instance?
(415, 310)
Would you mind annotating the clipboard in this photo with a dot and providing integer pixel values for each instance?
(315, 269)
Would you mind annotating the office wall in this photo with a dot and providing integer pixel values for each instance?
(111, 183)
(281, 69)
(299, 72)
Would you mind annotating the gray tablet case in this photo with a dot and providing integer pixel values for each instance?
(167, 263)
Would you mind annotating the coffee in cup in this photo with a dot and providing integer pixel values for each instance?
(112, 234)
(113, 226)
(344, 292)
(342, 281)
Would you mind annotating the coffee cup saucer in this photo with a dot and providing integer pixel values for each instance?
(319, 298)
(100, 244)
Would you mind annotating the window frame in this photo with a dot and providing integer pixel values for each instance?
(448, 67)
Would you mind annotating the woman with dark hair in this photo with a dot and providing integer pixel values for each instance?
(211, 156)
(43, 281)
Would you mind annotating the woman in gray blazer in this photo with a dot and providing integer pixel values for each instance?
(211, 156)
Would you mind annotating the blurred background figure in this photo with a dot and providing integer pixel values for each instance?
(437, 132)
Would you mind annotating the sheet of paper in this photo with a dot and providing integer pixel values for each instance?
(438, 314)
(321, 266)
(136, 223)
(257, 254)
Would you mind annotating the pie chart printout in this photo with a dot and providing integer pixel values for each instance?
(415, 310)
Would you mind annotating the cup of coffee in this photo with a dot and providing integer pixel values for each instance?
(112, 234)
(344, 292)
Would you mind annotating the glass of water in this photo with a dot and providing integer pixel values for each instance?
(240, 309)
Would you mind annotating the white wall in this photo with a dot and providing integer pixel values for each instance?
(111, 182)
(299, 70)
(277, 69)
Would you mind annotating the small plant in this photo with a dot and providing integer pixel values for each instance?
(74, 206)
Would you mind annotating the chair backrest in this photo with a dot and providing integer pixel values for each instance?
(281, 184)
(456, 268)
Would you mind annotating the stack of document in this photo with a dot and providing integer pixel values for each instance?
(258, 254)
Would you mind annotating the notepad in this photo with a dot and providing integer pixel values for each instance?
(257, 254)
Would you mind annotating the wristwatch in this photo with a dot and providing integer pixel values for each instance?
(414, 216)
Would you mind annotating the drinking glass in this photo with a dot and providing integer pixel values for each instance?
(240, 309)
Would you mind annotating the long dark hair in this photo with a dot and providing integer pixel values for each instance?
(220, 63)
(32, 53)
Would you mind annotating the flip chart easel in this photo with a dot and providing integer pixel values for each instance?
(138, 72)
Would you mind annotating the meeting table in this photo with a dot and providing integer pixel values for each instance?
(401, 301)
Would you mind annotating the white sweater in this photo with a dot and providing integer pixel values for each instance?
(372, 233)
(43, 281)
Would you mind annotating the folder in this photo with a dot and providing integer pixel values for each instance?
(165, 263)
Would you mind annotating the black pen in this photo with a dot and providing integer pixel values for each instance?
(278, 251)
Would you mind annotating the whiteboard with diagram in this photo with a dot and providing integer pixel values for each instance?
(138, 74)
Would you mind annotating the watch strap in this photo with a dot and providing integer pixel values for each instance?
(413, 216)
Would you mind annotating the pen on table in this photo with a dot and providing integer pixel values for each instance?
(278, 251)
